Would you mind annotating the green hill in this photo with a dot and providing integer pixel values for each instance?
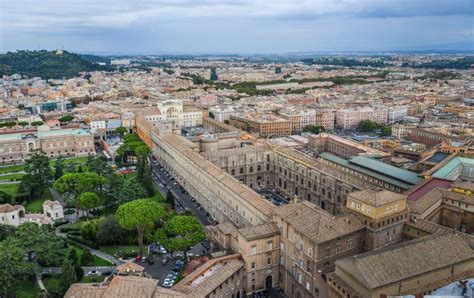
(45, 64)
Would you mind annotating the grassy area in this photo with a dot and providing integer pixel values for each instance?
(80, 159)
(96, 261)
(51, 283)
(158, 196)
(10, 189)
(76, 225)
(37, 205)
(86, 279)
(27, 289)
(11, 177)
(12, 169)
(113, 250)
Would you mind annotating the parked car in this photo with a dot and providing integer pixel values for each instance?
(167, 283)
(162, 249)
(93, 272)
(138, 258)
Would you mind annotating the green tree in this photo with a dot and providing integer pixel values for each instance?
(211, 115)
(68, 277)
(86, 258)
(139, 215)
(59, 167)
(66, 118)
(23, 123)
(37, 123)
(72, 257)
(313, 129)
(88, 200)
(226, 121)
(6, 231)
(38, 173)
(13, 267)
(110, 232)
(180, 233)
(170, 199)
(39, 243)
(121, 131)
(74, 184)
(386, 131)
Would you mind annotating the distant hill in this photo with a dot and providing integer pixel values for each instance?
(47, 64)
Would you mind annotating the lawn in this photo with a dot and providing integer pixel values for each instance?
(37, 205)
(113, 250)
(51, 283)
(10, 189)
(11, 177)
(27, 289)
(81, 159)
(93, 279)
(12, 169)
(96, 261)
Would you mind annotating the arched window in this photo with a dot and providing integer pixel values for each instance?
(251, 169)
(241, 170)
(233, 172)
(259, 168)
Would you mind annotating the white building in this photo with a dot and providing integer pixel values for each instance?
(397, 113)
(53, 209)
(96, 125)
(350, 118)
(15, 215)
(174, 110)
(222, 113)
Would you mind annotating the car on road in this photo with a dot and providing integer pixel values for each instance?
(93, 272)
(138, 258)
(162, 249)
(164, 261)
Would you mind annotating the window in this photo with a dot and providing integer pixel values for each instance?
(349, 244)
(253, 265)
(253, 249)
(269, 259)
(269, 244)
(338, 248)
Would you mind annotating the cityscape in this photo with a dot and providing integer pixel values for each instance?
(231, 166)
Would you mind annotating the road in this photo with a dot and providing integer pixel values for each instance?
(100, 269)
(182, 198)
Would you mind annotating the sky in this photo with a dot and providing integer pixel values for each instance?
(236, 26)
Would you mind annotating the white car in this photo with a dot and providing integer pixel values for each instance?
(162, 249)
(167, 283)
(93, 272)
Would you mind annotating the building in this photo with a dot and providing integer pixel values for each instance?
(15, 215)
(410, 268)
(266, 125)
(396, 114)
(222, 113)
(54, 142)
(350, 118)
(49, 106)
(324, 119)
(311, 241)
(53, 209)
(341, 147)
(433, 137)
(384, 214)
(219, 277)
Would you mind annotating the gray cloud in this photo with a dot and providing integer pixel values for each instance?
(106, 24)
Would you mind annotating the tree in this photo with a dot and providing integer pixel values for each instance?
(39, 244)
(6, 231)
(88, 200)
(386, 131)
(181, 233)
(68, 277)
(313, 129)
(23, 123)
(72, 257)
(86, 258)
(211, 115)
(226, 121)
(121, 131)
(368, 125)
(59, 167)
(13, 267)
(143, 168)
(140, 215)
(74, 184)
(170, 199)
(66, 118)
(110, 231)
(38, 173)
(37, 123)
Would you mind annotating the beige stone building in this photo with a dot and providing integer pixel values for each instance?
(54, 142)
(414, 267)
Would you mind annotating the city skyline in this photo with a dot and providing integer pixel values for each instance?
(241, 27)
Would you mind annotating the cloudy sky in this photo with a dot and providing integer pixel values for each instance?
(236, 26)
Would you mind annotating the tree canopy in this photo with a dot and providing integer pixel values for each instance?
(139, 214)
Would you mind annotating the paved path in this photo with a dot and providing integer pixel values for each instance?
(57, 270)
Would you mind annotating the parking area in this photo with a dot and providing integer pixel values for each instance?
(273, 196)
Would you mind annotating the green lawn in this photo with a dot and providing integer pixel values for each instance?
(12, 169)
(27, 289)
(80, 159)
(51, 283)
(10, 189)
(76, 225)
(86, 279)
(113, 250)
(96, 261)
(11, 177)
(37, 205)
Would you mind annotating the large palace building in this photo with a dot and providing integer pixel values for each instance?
(336, 212)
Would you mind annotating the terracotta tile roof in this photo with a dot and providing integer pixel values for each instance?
(377, 198)
(260, 231)
(434, 228)
(464, 185)
(317, 224)
(129, 267)
(425, 202)
(80, 290)
(209, 276)
(9, 208)
(130, 286)
(393, 264)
